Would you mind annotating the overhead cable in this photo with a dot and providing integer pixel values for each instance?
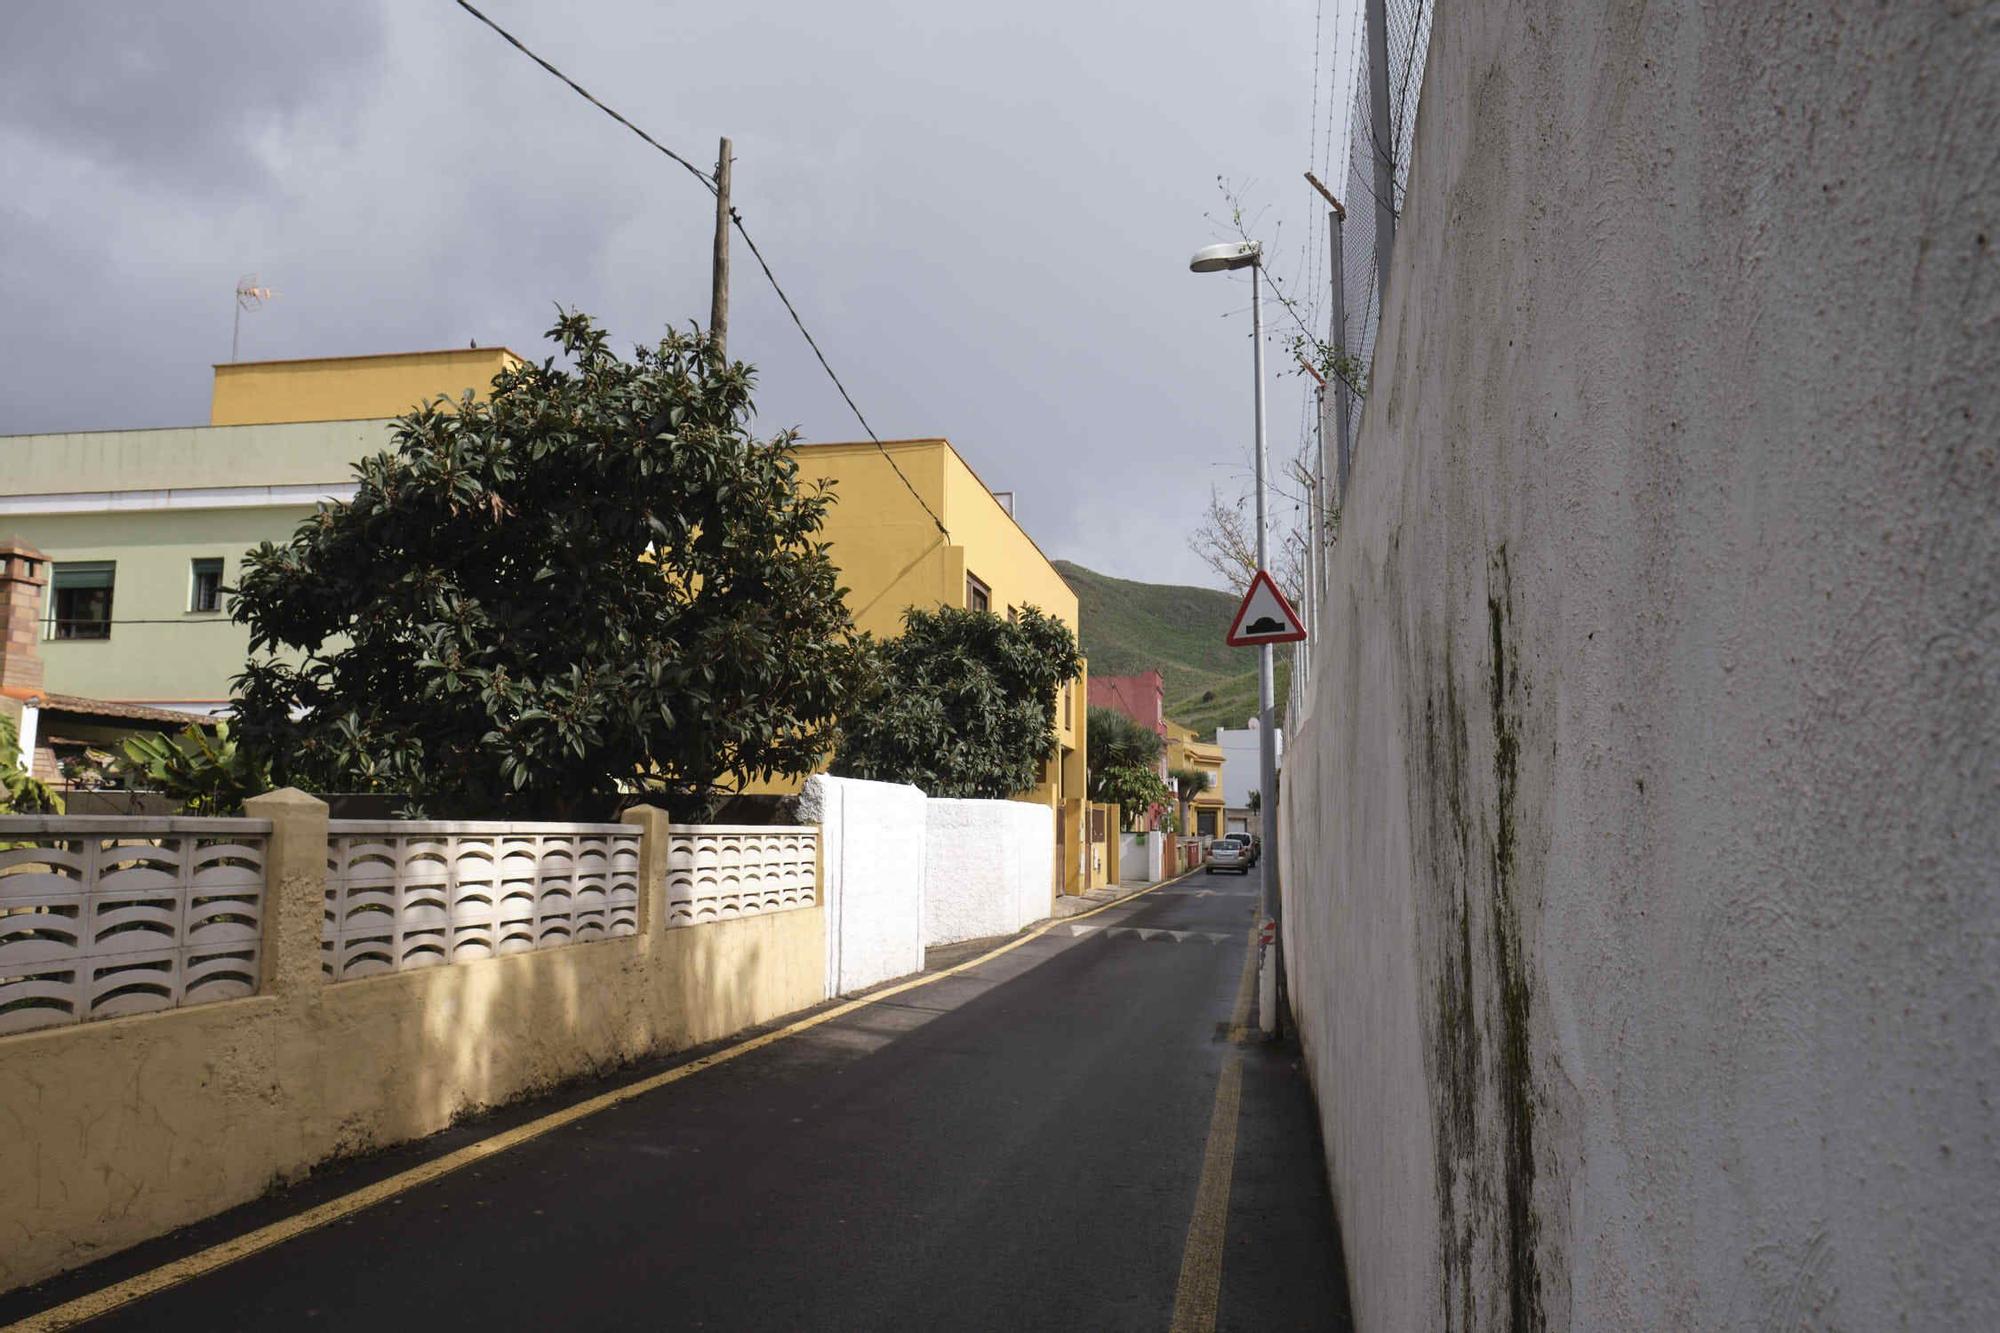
(708, 182)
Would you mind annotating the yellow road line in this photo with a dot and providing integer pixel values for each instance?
(1246, 992)
(1200, 1286)
(107, 1299)
(1245, 987)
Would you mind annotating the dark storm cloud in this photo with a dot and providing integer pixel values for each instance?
(984, 212)
(177, 90)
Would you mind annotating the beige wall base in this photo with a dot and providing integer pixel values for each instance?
(117, 1131)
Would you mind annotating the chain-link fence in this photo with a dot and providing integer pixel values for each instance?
(1403, 42)
(1406, 32)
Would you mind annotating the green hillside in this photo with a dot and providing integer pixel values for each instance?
(1129, 627)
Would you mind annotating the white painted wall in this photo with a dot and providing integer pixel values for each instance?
(1240, 761)
(1142, 857)
(989, 868)
(873, 847)
(1132, 858)
(1643, 866)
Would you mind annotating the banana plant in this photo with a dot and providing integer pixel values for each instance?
(202, 768)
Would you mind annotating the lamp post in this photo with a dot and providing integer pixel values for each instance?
(1225, 258)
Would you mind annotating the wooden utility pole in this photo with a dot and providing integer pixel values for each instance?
(718, 307)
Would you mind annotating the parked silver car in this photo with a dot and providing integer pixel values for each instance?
(1228, 854)
(1248, 842)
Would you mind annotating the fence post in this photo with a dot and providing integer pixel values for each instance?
(655, 846)
(294, 888)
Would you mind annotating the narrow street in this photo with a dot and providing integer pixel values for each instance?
(1020, 1145)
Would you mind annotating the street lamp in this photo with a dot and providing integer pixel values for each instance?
(1228, 256)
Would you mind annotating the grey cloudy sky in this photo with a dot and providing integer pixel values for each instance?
(983, 212)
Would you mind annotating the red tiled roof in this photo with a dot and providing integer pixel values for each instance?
(77, 706)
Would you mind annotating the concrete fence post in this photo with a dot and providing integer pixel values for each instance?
(294, 888)
(655, 846)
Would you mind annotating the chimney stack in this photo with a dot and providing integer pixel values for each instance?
(23, 572)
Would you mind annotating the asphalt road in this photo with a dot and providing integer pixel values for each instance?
(1020, 1146)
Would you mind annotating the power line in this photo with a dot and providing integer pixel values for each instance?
(584, 93)
(708, 182)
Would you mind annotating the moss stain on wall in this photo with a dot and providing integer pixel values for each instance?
(1480, 1049)
(1515, 1067)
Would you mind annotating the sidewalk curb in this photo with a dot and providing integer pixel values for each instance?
(1085, 903)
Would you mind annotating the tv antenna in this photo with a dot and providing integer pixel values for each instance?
(249, 296)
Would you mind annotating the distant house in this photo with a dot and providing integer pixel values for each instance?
(1203, 816)
(1241, 763)
(1141, 697)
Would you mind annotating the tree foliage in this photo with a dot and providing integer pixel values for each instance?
(1118, 741)
(1226, 541)
(596, 582)
(21, 792)
(1124, 763)
(963, 703)
(1133, 789)
(1188, 782)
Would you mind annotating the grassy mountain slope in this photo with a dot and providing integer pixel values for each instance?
(1129, 627)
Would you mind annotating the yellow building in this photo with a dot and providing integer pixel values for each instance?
(913, 526)
(1202, 815)
(349, 388)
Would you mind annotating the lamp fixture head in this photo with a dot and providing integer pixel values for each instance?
(1228, 255)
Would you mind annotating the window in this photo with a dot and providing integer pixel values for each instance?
(80, 599)
(978, 597)
(205, 586)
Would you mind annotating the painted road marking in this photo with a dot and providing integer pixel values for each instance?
(106, 1299)
(1246, 992)
(1200, 1286)
(1153, 933)
(1199, 1290)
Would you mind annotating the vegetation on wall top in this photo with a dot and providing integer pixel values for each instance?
(962, 703)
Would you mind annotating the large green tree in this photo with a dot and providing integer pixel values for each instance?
(595, 582)
(962, 703)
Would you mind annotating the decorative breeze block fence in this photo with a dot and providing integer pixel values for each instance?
(110, 916)
(719, 871)
(120, 915)
(404, 894)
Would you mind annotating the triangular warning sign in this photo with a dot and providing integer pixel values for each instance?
(1265, 617)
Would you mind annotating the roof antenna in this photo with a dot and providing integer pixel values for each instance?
(249, 296)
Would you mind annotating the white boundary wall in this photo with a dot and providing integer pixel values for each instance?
(872, 841)
(989, 868)
(1142, 857)
(1642, 850)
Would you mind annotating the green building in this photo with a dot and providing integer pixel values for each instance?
(141, 529)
